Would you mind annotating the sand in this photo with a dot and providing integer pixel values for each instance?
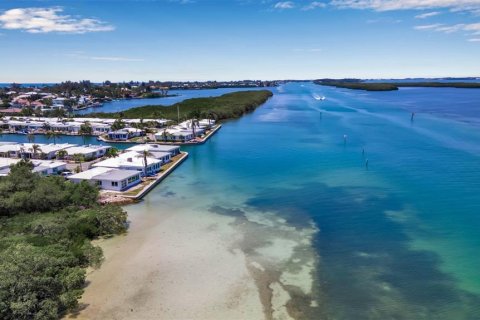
(190, 264)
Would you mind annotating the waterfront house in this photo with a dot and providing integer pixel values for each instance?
(125, 134)
(89, 152)
(58, 103)
(132, 161)
(206, 123)
(43, 167)
(174, 135)
(26, 150)
(108, 178)
(173, 150)
(100, 128)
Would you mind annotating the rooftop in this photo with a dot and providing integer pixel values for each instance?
(89, 174)
(153, 147)
(117, 175)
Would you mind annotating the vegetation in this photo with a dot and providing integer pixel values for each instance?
(112, 152)
(46, 228)
(227, 106)
(390, 86)
(85, 130)
(53, 135)
(107, 90)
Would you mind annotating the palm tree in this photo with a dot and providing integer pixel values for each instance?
(79, 158)
(46, 127)
(111, 153)
(164, 135)
(85, 130)
(53, 135)
(144, 154)
(22, 152)
(35, 149)
(117, 125)
(61, 154)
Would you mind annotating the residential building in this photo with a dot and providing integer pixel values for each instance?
(132, 161)
(89, 152)
(108, 178)
(173, 150)
(125, 134)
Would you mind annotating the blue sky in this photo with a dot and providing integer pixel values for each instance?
(122, 40)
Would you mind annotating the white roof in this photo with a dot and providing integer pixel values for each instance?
(128, 159)
(48, 148)
(89, 174)
(48, 163)
(45, 148)
(85, 149)
(153, 147)
(10, 147)
(6, 162)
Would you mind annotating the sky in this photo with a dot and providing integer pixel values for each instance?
(187, 40)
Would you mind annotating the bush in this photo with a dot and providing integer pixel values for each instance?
(46, 228)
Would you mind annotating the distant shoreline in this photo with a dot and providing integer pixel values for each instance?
(392, 86)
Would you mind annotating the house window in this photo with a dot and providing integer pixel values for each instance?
(114, 184)
(99, 183)
(124, 183)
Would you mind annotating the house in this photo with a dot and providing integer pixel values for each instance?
(5, 164)
(88, 152)
(132, 161)
(99, 128)
(58, 103)
(42, 167)
(47, 168)
(26, 150)
(173, 150)
(207, 123)
(108, 178)
(164, 157)
(174, 135)
(125, 134)
(48, 151)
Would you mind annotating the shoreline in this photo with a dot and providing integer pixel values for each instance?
(128, 197)
(182, 261)
(199, 141)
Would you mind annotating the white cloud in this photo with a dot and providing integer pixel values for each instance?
(474, 40)
(427, 15)
(429, 26)
(44, 20)
(314, 5)
(472, 28)
(81, 55)
(388, 5)
(284, 5)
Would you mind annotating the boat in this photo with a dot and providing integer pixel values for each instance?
(317, 97)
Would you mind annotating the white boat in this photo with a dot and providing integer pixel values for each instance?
(317, 97)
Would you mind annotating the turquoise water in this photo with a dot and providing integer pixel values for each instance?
(398, 239)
